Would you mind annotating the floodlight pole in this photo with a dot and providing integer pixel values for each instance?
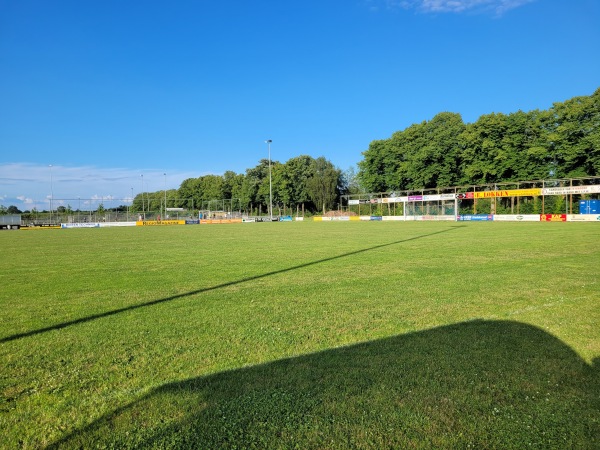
(165, 211)
(143, 206)
(268, 141)
(130, 210)
(51, 193)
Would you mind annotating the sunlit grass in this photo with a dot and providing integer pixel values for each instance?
(246, 335)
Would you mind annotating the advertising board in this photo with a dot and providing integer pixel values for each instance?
(80, 225)
(553, 217)
(475, 217)
(155, 223)
(583, 218)
(516, 217)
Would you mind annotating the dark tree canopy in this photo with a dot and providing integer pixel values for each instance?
(563, 141)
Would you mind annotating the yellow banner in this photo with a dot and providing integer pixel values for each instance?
(508, 193)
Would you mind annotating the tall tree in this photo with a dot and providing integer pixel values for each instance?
(297, 172)
(483, 159)
(323, 186)
(372, 169)
(574, 136)
(190, 189)
(433, 161)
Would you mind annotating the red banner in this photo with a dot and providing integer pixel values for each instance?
(553, 217)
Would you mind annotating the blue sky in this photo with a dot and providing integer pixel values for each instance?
(106, 91)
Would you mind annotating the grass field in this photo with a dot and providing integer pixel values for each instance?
(302, 335)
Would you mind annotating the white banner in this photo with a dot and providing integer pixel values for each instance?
(394, 218)
(80, 225)
(436, 218)
(516, 218)
(571, 190)
(439, 197)
(117, 224)
(583, 218)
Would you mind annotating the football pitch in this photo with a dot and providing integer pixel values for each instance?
(302, 335)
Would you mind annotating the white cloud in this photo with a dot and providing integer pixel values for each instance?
(498, 7)
(28, 186)
(25, 200)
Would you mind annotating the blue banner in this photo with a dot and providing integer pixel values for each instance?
(475, 217)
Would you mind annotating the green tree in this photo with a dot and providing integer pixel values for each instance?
(351, 183)
(323, 186)
(373, 167)
(433, 154)
(483, 159)
(212, 187)
(232, 184)
(190, 188)
(574, 136)
(294, 184)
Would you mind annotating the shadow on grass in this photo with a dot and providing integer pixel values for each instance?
(212, 288)
(487, 384)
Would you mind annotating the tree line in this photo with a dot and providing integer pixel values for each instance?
(303, 182)
(561, 142)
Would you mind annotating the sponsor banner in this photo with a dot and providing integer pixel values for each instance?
(80, 225)
(117, 224)
(331, 219)
(423, 198)
(43, 226)
(397, 200)
(192, 222)
(439, 197)
(571, 190)
(475, 217)
(553, 217)
(218, 221)
(159, 223)
(353, 202)
(394, 218)
(508, 193)
(365, 218)
(583, 218)
(376, 218)
(299, 219)
(464, 195)
(249, 220)
(517, 217)
(438, 218)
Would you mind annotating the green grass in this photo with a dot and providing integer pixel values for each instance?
(301, 335)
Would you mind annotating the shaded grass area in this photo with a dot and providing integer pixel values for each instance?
(482, 384)
(226, 336)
